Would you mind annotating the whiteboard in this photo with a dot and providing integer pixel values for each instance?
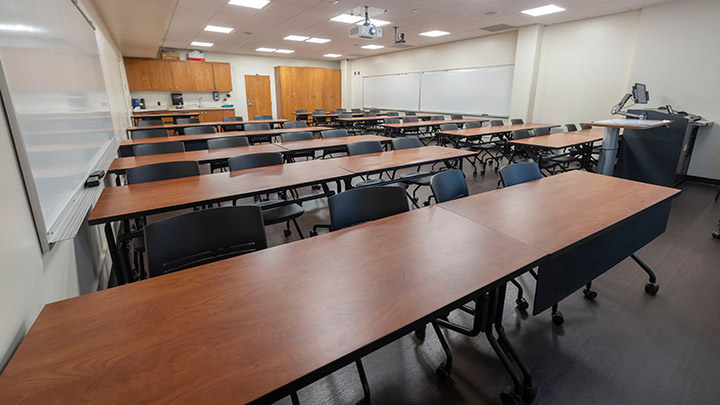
(392, 92)
(54, 95)
(474, 91)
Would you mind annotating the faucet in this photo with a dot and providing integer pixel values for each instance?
(200, 103)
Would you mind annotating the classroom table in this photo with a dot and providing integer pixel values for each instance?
(202, 334)
(404, 126)
(217, 124)
(583, 140)
(138, 117)
(199, 142)
(470, 133)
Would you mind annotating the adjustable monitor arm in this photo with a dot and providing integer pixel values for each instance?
(617, 109)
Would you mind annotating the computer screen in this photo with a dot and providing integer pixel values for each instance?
(640, 93)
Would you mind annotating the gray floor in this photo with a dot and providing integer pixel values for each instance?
(624, 348)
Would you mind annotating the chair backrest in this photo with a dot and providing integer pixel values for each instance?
(341, 110)
(263, 117)
(202, 129)
(319, 111)
(202, 237)
(252, 160)
(391, 120)
(296, 136)
(370, 114)
(158, 148)
(571, 127)
(335, 112)
(407, 142)
(449, 185)
(410, 118)
(229, 142)
(365, 204)
(363, 148)
(226, 119)
(583, 126)
(150, 122)
(193, 120)
(521, 134)
(516, 121)
(300, 111)
(541, 131)
(393, 114)
(357, 110)
(345, 116)
(448, 127)
(517, 173)
(437, 118)
(456, 117)
(473, 124)
(149, 133)
(162, 171)
(296, 124)
(261, 126)
(496, 123)
(334, 133)
(410, 113)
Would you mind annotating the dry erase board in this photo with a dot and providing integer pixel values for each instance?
(392, 92)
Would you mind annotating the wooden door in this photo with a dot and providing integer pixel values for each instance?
(332, 89)
(138, 74)
(257, 95)
(182, 76)
(160, 75)
(297, 89)
(222, 77)
(202, 74)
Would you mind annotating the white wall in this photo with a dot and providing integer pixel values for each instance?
(677, 57)
(527, 61)
(31, 279)
(240, 65)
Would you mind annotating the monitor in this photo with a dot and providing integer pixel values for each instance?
(177, 98)
(639, 93)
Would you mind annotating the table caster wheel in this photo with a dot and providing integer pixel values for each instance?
(652, 288)
(287, 232)
(522, 305)
(474, 174)
(557, 318)
(508, 397)
(716, 234)
(313, 233)
(590, 294)
(442, 372)
(426, 203)
(529, 394)
(420, 333)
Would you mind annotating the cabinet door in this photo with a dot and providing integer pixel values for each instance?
(213, 115)
(160, 75)
(202, 73)
(182, 76)
(331, 89)
(138, 74)
(222, 77)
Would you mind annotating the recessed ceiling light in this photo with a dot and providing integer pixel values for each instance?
(332, 55)
(318, 40)
(347, 18)
(295, 38)
(377, 23)
(217, 28)
(434, 33)
(265, 49)
(205, 44)
(372, 47)
(258, 4)
(538, 11)
(284, 51)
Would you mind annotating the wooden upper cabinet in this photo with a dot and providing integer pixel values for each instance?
(161, 78)
(222, 77)
(182, 75)
(202, 74)
(138, 74)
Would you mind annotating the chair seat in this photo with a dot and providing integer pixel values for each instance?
(420, 181)
(280, 214)
(371, 182)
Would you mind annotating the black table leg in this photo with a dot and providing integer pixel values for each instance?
(120, 267)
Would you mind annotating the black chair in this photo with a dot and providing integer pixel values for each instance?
(162, 171)
(419, 179)
(288, 212)
(300, 111)
(473, 124)
(410, 113)
(571, 127)
(370, 114)
(150, 122)
(203, 237)
(518, 173)
(449, 185)
(391, 131)
(364, 148)
(334, 133)
(360, 205)
(393, 114)
(296, 124)
(585, 126)
(496, 123)
(541, 131)
(263, 117)
(318, 120)
(202, 129)
(319, 111)
(229, 142)
(149, 133)
(392, 120)
(448, 127)
(298, 136)
(158, 148)
(516, 121)
(410, 118)
(187, 121)
(259, 126)
(456, 117)
(356, 110)
(437, 118)
(233, 127)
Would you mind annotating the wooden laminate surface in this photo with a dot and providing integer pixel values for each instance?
(399, 158)
(120, 165)
(553, 213)
(328, 115)
(201, 137)
(403, 125)
(315, 144)
(630, 123)
(164, 115)
(361, 119)
(238, 329)
(483, 131)
(563, 139)
(210, 124)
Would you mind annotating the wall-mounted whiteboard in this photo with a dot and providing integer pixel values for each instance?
(475, 91)
(392, 92)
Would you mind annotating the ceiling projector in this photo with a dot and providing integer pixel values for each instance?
(367, 30)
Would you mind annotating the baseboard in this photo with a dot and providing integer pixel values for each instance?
(705, 180)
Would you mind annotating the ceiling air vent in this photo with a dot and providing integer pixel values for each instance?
(498, 27)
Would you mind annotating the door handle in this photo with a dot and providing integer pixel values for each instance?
(249, 103)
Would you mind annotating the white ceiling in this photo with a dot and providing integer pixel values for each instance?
(267, 27)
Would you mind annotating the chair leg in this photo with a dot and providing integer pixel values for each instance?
(412, 200)
(294, 399)
(298, 228)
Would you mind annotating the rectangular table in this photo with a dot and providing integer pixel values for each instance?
(137, 117)
(486, 131)
(217, 124)
(404, 126)
(582, 139)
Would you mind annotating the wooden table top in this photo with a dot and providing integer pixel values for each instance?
(563, 139)
(120, 165)
(359, 119)
(202, 137)
(482, 131)
(630, 123)
(553, 213)
(399, 158)
(315, 144)
(210, 124)
(431, 123)
(328, 115)
(168, 114)
(238, 329)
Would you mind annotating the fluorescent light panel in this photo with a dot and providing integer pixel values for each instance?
(434, 33)
(266, 49)
(544, 10)
(217, 28)
(347, 18)
(205, 44)
(257, 4)
(332, 55)
(296, 38)
(284, 51)
(318, 40)
(372, 47)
